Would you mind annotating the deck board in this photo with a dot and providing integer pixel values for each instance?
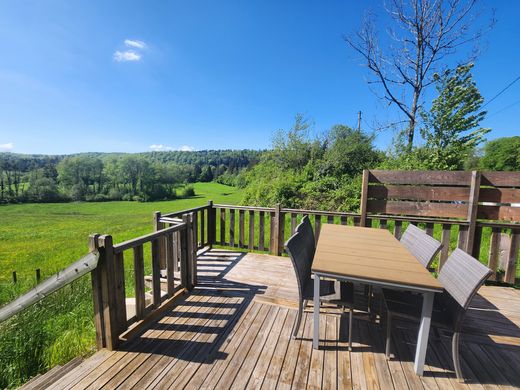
(235, 331)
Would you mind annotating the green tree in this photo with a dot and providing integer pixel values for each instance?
(451, 128)
(502, 154)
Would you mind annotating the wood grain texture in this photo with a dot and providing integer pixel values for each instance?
(423, 193)
(226, 335)
(439, 178)
(423, 209)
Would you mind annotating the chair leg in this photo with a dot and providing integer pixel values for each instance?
(301, 306)
(351, 314)
(388, 334)
(456, 356)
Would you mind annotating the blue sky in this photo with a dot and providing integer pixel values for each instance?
(79, 76)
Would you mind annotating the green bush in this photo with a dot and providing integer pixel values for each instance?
(188, 191)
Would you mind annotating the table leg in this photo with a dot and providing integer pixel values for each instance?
(316, 314)
(424, 331)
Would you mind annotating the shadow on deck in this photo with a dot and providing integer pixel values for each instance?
(233, 331)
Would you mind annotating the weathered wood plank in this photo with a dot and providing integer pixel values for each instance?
(241, 229)
(261, 231)
(512, 257)
(424, 209)
(463, 237)
(445, 241)
(222, 227)
(499, 195)
(275, 336)
(170, 259)
(501, 213)
(317, 226)
(156, 274)
(420, 193)
(363, 203)
(232, 227)
(398, 229)
(501, 179)
(140, 303)
(429, 229)
(293, 223)
(439, 178)
(202, 224)
(494, 251)
(251, 240)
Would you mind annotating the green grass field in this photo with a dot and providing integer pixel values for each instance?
(51, 236)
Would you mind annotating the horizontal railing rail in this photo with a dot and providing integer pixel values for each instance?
(118, 309)
(265, 229)
(52, 284)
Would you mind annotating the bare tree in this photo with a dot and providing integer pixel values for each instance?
(424, 32)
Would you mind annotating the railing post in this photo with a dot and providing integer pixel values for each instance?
(107, 271)
(472, 213)
(275, 231)
(212, 226)
(158, 225)
(97, 296)
(185, 253)
(363, 200)
(193, 248)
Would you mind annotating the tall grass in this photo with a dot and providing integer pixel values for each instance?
(51, 332)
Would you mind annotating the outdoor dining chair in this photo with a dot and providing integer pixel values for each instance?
(461, 276)
(301, 247)
(423, 247)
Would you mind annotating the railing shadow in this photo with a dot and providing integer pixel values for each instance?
(198, 326)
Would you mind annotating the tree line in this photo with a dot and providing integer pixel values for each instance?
(115, 176)
(324, 172)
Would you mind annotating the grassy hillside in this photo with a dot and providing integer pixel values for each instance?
(50, 236)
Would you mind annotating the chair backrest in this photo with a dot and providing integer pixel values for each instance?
(305, 227)
(300, 247)
(462, 275)
(421, 245)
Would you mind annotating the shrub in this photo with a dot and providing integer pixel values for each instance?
(188, 191)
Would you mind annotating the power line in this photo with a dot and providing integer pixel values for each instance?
(503, 109)
(502, 91)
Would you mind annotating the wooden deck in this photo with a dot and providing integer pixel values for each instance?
(233, 331)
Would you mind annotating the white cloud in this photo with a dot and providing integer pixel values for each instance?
(135, 43)
(128, 55)
(6, 147)
(160, 148)
(164, 148)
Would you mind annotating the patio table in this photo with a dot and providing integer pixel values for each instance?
(373, 257)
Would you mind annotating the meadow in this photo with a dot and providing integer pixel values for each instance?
(49, 237)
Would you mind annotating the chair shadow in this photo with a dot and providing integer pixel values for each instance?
(486, 355)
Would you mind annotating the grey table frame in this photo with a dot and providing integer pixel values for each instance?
(426, 314)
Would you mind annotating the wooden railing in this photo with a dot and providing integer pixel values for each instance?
(462, 209)
(265, 229)
(173, 271)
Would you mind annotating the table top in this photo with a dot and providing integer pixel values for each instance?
(371, 255)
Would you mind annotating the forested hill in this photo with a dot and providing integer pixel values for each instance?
(114, 176)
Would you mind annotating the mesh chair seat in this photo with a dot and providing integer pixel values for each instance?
(461, 276)
(411, 310)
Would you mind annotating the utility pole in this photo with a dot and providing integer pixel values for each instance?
(359, 120)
